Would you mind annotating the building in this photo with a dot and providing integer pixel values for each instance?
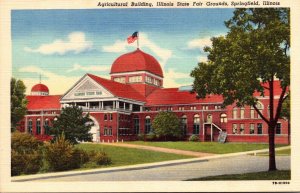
(124, 107)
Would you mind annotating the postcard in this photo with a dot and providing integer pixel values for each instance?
(149, 96)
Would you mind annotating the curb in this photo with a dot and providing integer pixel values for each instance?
(135, 167)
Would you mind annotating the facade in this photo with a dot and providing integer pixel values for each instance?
(124, 107)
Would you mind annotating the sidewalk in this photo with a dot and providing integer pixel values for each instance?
(161, 149)
(134, 167)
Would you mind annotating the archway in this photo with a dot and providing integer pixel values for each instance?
(95, 130)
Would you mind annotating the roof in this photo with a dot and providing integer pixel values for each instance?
(276, 87)
(39, 88)
(43, 102)
(136, 61)
(172, 96)
(118, 89)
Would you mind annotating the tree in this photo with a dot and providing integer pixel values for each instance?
(248, 59)
(18, 102)
(167, 124)
(73, 125)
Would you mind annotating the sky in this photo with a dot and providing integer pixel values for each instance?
(63, 45)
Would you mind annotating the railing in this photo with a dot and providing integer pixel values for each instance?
(105, 108)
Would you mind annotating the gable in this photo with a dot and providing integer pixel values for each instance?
(87, 88)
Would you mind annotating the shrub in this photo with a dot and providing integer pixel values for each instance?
(141, 137)
(60, 155)
(101, 158)
(194, 138)
(79, 157)
(26, 154)
(150, 136)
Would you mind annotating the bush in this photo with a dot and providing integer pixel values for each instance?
(194, 138)
(101, 158)
(141, 137)
(26, 154)
(79, 157)
(61, 155)
(151, 136)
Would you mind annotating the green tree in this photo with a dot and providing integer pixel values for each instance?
(73, 124)
(254, 51)
(18, 102)
(167, 124)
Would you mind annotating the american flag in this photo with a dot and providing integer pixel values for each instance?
(132, 38)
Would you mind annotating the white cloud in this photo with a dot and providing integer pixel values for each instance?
(122, 46)
(202, 59)
(57, 84)
(199, 43)
(76, 43)
(171, 78)
(92, 68)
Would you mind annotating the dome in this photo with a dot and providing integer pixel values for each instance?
(136, 61)
(40, 88)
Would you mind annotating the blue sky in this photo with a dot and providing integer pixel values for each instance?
(63, 45)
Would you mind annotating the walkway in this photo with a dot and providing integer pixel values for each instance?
(161, 149)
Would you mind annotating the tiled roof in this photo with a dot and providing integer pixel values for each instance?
(171, 96)
(118, 89)
(43, 102)
(136, 61)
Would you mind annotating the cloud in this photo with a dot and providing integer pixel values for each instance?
(202, 59)
(93, 68)
(174, 79)
(199, 43)
(57, 84)
(76, 43)
(122, 46)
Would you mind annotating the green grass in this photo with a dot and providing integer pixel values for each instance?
(128, 156)
(274, 175)
(208, 147)
(278, 152)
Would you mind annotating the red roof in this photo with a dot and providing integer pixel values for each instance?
(276, 87)
(172, 96)
(39, 88)
(136, 61)
(118, 89)
(43, 102)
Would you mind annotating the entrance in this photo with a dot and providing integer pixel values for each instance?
(95, 130)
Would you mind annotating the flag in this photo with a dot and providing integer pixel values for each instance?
(132, 38)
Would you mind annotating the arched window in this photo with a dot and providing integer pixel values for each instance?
(184, 124)
(242, 111)
(234, 113)
(196, 129)
(223, 118)
(46, 126)
(147, 124)
(136, 125)
(209, 118)
(29, 126)
(38, 126)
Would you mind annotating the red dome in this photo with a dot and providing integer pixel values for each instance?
(136, 61)
(39, 88)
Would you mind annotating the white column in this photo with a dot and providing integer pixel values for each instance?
(102, 104)
(130, 106)
(211, 133)
(99, 105)
(124, 105)
(141, 108)
(118, 105)
(114, 104)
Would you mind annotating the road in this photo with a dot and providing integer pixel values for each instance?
(178, 172)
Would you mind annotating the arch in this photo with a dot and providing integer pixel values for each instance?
(196, 128)
(95, 130)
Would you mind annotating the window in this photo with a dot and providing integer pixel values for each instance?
(38, 126)
(46, 126)
(184, 124)
(110, 116)
(218, 107)
(107, 131)
(181, 108)
(234, 113)
(148, 124)
(209, 118)
(260, 108)
(259, 128)
(242, 113)
(252, 113)
(170, 109)
(149, 79)
(242, 128)
(105, 117)
(251, 128)
(234, 128)
(196, 129)
(136, 125)
(278, 129)
(204, 107)
(193, 108)
(223, 118)
(135, 79)
(29, 126)
(120, 79)
(156, 82)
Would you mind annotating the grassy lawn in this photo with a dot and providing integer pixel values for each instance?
(208, 147)
(274, 175)
(278, 152)
(128, 156)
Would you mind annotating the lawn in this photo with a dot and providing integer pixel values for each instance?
(129, 156)
(278, 152)
(208, 147)
(274, 175)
